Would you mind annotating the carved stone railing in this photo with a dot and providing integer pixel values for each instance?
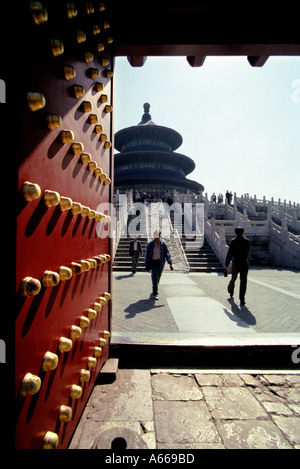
(171, 237)
(278, 225)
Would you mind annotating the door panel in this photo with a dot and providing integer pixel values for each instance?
(55, 236)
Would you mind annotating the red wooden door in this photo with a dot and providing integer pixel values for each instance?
(63, 271)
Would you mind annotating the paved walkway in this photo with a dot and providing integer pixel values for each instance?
(198, 409)
(197, 307)
(188, 410)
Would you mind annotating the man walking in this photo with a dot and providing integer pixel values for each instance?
(238, 251)
(135, 251)
(156, 255)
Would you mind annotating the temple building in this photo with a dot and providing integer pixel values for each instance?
(147, 161)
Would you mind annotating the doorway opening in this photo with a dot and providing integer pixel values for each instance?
(239, 125)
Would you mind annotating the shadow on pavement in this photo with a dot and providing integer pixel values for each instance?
(240, 315)
(141, 306)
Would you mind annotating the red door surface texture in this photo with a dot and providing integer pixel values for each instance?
(63, 268)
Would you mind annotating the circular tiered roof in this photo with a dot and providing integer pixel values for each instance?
(180, 163)
(147, 157)
(147, 131)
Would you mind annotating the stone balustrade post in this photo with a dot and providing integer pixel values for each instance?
(284, 229)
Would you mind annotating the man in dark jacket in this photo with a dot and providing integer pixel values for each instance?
(135, 251)
(156, 255)
(238, 251)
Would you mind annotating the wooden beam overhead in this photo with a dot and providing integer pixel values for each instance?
(258, 60)
(196, 61)
(194, 30)
(137, 60)
(195, 50)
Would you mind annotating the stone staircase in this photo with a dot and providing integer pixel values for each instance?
(122, 259)
(201, 258)
(199, 254)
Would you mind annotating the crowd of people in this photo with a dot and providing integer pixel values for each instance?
(220, 199)
(154, 196)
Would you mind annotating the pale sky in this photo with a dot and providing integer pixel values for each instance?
(240, 124)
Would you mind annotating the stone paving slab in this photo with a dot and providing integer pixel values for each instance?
(232, 403)
(184, 422)
(128, 398)
(289, 426)
(252, 434)
(176, 409)
(175, 387)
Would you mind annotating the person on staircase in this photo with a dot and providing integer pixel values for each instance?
(135, 251)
